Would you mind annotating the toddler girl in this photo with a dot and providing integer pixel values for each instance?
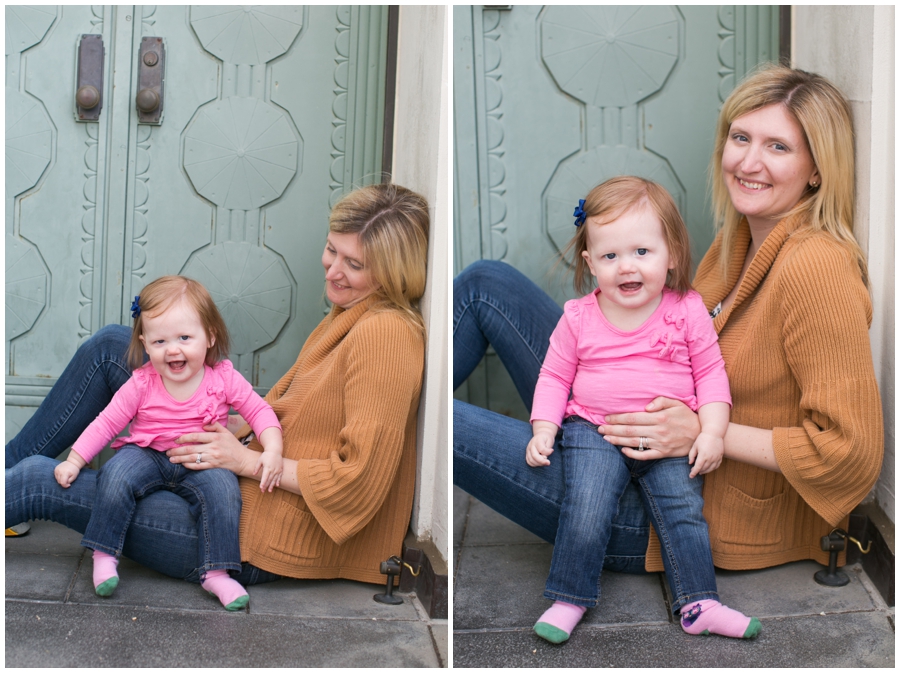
(640, 334)
(185, 386)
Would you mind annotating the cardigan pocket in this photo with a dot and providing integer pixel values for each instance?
(299, 536)
(746, 521)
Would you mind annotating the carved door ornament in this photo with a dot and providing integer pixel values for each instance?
(29, 148)
(609, 59)
(241, 152)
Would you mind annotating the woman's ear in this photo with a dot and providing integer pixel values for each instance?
(814, 179)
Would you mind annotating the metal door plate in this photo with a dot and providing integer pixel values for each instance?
(150, 98)
(89, 85)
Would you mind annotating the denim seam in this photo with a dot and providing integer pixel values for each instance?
(503, 476)
(665, 542)
(574, 600)
(503, 316)
(208, 564)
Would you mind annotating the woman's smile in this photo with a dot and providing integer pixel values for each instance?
(755, 186)
(767, 165)
(348, 281)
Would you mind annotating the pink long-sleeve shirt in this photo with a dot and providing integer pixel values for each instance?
(675, 353)
(157, 419)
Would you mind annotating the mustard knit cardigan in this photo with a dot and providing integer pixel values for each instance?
(796, 348)
(348, 411)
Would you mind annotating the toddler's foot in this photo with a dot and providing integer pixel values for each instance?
(557, 622)
(705, 617)
(106, 578)
(227, 590)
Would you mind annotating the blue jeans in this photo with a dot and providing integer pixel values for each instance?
(163, 532)
(495, 304)
(135, 472)
(596, 474)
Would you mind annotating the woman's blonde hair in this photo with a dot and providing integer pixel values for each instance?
(824, 115)
(392, 224)
(159, 295)
(613, 198)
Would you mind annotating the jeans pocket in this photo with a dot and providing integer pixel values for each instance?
(298, 537)
(746, 521)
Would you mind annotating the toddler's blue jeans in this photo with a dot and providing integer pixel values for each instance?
(596, 476)
(135, 472)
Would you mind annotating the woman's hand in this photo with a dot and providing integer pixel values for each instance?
(217, 448)
(668, 426)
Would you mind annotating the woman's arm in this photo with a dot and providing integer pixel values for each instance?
(672, 428)
(220, 448)
(752, 446)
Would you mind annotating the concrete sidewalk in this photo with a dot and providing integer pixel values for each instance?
(499, 576)
(54, 618)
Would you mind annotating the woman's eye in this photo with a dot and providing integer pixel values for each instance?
(739, 137)
(355, 267)
(779, 147)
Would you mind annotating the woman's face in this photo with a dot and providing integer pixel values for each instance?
(347, 280)
(766, 164)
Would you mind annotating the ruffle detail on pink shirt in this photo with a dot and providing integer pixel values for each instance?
(141, 374)
(209, 407)
(665, 338)
(676, 319)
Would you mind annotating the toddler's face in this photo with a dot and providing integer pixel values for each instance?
(629, 258)
(176, 342)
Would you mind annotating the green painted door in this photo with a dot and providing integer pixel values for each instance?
(270, 113)
(550, 101)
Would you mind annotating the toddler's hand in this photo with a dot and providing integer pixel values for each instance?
(65, 473)
(540, 446)
(272, 466)
(706, 454)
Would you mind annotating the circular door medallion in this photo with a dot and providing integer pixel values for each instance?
(240, 153)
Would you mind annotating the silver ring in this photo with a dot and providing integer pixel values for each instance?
(199, 458)
(641, 446)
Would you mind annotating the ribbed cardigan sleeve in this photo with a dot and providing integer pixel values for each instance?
(382, 378)
(834, 458)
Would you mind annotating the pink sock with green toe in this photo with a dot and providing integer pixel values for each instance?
(709, 616)
(106, 576)
(229, 591)
(557, 623)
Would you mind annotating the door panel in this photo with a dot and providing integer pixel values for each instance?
(550, 101)
(270, 114)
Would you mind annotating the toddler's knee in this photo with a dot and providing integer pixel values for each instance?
(223, 481)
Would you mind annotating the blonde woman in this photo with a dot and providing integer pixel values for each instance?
(786, 283)
(347, 408)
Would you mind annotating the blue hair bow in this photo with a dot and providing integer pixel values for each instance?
(136, 307)
(579, 213)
